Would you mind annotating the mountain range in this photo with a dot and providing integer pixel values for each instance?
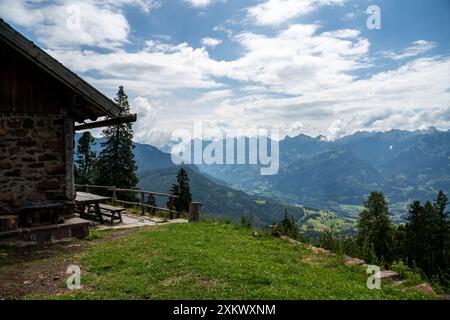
(330, 175)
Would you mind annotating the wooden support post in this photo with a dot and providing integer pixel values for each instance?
(69, 152)
(142, 203)
(171, 207)
(194, 211)
(114, 195)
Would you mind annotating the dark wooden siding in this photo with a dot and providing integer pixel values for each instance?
(26, 88)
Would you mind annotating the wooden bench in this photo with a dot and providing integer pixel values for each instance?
(115, 213)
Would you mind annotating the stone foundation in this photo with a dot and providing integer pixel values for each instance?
(72, 228)
(32, 160)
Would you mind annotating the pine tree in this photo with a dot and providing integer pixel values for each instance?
(183, 191)
(375, 228)
(116, 165)
(427, 238)
(84, 172)
(442, 231)
(422, 232)
(431, 240)
(415, 234)
(288, 227)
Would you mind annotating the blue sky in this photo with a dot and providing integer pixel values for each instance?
(300, 66)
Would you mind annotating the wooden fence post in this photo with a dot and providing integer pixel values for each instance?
(142, 203)
(194, 211)
(114, 195)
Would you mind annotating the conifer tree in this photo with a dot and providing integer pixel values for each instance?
(85, 161)
(442, 231)
(415, 231)
(183, 191)
(431, 239)
(116, 165)
(423, 238)
(374, 227)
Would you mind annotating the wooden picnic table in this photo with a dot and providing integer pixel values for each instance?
(87, 200)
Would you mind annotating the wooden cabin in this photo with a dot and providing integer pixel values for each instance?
(40, 103)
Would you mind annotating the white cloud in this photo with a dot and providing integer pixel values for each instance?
(157, 70)
(311, 82)
(148, 127)
(276, 12)
(199, 3)
(211, 42)
(309, 61)
(416, 48)
(67, 23)
(299, 79)
(349, 16)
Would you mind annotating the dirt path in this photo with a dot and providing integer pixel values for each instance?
(41, 269)
(37, 269)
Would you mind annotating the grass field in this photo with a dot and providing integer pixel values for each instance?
(205, 260)
(320, 220)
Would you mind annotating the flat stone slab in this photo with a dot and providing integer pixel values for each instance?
(134, 221)
(353, 261)
(388, 274)
(424, 288)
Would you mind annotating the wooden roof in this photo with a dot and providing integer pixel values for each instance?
(102, 105)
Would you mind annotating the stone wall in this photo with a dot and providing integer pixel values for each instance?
(32, 160)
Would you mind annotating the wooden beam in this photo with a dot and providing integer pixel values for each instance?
(69, 153)
(108, 122)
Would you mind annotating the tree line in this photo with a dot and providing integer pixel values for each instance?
(422, 243)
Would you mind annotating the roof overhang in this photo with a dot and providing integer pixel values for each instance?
(104, 105)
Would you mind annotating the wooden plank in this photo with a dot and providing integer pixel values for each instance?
(147, 206)
(111, 208)
(147, 192)
(108, 122)
(111, 188)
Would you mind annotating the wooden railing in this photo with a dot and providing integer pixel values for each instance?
(141, 203)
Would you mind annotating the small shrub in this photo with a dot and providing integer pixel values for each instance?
(405, 271)
(247, 221)
(228, 219)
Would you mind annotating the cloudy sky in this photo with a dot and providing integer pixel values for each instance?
(302, 66)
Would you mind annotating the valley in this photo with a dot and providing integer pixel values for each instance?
(321, 183)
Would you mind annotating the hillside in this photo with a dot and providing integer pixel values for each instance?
(147, 156)
(204, 260)
(219, 200)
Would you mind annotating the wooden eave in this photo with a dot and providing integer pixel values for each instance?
(99, 104)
